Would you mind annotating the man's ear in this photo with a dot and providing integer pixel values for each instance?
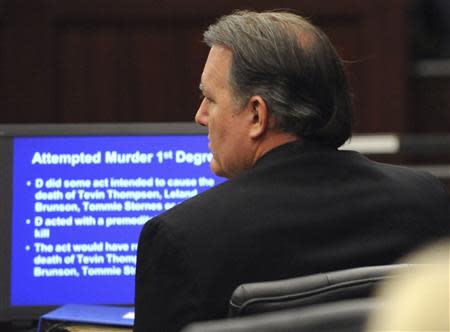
(259, 116)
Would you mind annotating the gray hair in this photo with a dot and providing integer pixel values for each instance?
(293, 66)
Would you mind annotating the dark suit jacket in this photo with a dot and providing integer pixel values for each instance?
(302, 209)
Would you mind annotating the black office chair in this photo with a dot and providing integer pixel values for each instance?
(304, 291)
(342, 316)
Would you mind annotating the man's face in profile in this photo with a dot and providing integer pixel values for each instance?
(220, 111)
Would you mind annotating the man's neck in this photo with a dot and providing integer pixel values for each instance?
(271, 140)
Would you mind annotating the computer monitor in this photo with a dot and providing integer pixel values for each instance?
(74, 199)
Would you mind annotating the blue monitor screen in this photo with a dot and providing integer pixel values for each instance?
(79, 203)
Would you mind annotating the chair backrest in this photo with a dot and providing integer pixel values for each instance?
(319, 288)
(342, 316)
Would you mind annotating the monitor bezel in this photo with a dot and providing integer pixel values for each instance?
(7, 134)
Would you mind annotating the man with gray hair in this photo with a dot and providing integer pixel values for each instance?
(277, 107)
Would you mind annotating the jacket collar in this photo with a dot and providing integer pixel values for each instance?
(292, 148)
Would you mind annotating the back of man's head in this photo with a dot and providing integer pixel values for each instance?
(293, 66)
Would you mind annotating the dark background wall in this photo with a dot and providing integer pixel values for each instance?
(135, 60)
(140, 60)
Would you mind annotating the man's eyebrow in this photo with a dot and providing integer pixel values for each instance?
(203, 89)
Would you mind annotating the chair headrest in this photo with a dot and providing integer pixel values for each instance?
(318, 288)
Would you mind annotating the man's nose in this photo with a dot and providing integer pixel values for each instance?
(201, 117)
